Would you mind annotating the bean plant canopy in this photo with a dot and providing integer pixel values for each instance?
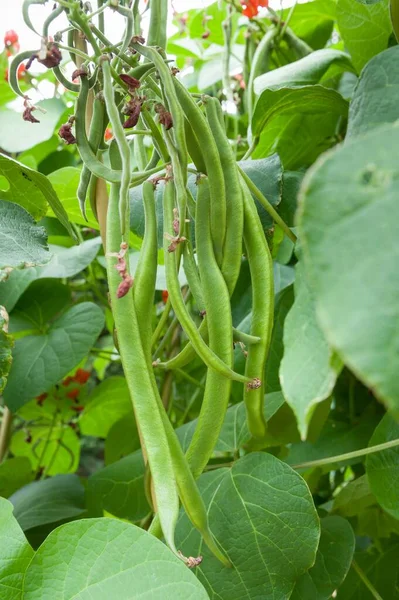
(199, 341)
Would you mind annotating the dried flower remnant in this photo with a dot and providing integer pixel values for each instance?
(131, 82)
(49, 55)
(121, 267)
(132, 109)
(165, 118)
(254, 384)
(65, 132)
(29, 108)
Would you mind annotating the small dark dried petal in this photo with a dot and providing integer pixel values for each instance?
(132, 120)
(254, 384)
(27, 115)
(53, 57)
(206, 35)
(131, 82)
(79, 73)
(138, 39)
(166, 120)
(65, 133)
(124, 287)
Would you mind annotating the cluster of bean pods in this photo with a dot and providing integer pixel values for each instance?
(133, 78)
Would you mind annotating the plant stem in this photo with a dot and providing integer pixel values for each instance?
(46, 443)
(188, 377)
(267, 206)
(340, 457)
(366, 581)
(251, 148)
(5, 429)
(226, 55)
(161, 323)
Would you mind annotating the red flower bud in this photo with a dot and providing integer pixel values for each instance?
(73, 394)
(165, 296)
(81, 376)
(10, 37)
(108, 135)
(67, 381)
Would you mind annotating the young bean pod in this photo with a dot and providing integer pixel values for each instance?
(217, 301)
(232, 250)
(261, 268)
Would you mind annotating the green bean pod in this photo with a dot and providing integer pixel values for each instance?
(123, 145)
(217, 300)
(13, 71)
(25, 12)
(214, 169)
(173, 284)
(140, 383)
(86, 153)
(193, 148)
(156, 134)
(146, 271)
(193, 279)
(158, 21)
(261, 268)
(56, 12)
(72, 87)
(96, 134)
(232, 250)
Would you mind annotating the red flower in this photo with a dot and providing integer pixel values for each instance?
(67, 380)
(73, 394)
(10, 38)
(108, 134)
(165, 296)
(40, 399)
(251, 7)
(81, 376)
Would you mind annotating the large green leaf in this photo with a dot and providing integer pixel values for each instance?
(15, 554)
(106, 559)
(14, 473)
(40, 361)
(313, 21)
(375, 97)
(262, 515)
(32, 190)
(119, 488)
(108, 402)
(382, 467)
(283, 303)
(349, 199)
(48, 501)
(365, 29)
(333, 559)
(6, 345)
(354, 498)
(308, 99)
(22, 242)
(309, 367)
(122, 439)
(18, 135)
(306, 71)
(64, 262)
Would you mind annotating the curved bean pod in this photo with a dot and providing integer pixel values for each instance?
(261, 268)
(217, 300)
(173, 284)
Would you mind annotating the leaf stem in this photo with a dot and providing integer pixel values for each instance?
(348, 455)
(366, 581)
(252, 147)
(267, 206)
(46, 443)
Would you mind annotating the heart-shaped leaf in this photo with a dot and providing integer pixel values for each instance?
(106, 559)
(40, 361)
(108, 402)
(262, 515)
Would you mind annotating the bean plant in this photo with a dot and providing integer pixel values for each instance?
(199, 302)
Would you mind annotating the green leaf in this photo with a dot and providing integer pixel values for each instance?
(108, 402)
(52, 449)
(349, 200)
(308, 99)
(14, 473)
(298, 138)
(354, 498)
(365, 29)
(313, 21)
(106, 559)
(6, 345)
(64, 263)
(22, 242)
(65, 183)
(40, 303)
(214, 23)
(32, 190)
(262, 515)
(119, 488)
(381, 567)
(309, 368)
(15, 554)
(40, 361)
(375, 97)
(122, 439)
(49, 501)
(306, 71)
(382, 467)
(18, 135)
(333, 559)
